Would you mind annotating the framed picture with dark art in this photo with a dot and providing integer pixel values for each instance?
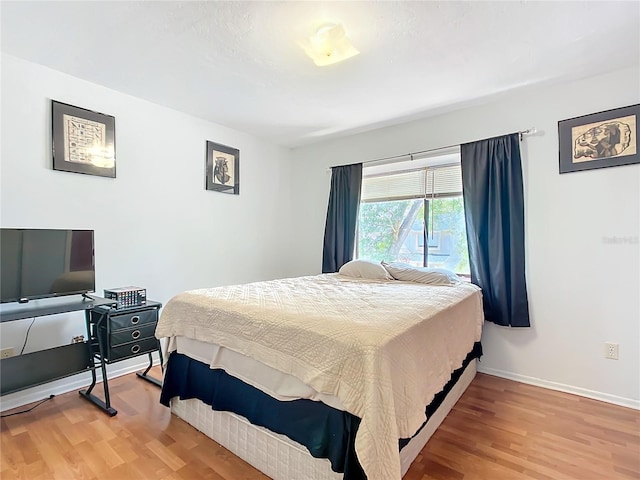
(222, 168)
(84, 141)
(605, 139)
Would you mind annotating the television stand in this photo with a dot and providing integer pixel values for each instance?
(44, 366)
(39, 308)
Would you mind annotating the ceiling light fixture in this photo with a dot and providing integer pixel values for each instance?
(329, 45)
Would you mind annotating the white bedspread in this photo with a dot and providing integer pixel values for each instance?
(384, 348)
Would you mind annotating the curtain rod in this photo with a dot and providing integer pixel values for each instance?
(528, 131)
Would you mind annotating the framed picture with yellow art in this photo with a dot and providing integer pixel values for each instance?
(84, 141)
(222, 168)
(604, 139)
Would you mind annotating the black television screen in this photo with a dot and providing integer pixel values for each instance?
(39, 263)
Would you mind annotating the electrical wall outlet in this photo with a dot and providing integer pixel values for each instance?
(7, 352)
(611, 350)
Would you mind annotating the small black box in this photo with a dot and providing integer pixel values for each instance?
(127, 296)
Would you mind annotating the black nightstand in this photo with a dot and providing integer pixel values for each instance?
(115, 335)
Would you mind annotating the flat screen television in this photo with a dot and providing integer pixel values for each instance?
(41, 263)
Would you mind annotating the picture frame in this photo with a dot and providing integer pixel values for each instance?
(83, 141)
(222, 168)
(599, 140)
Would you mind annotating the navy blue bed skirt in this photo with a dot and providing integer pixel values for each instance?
(325, 431)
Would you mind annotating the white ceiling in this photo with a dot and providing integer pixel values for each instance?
(239, 63)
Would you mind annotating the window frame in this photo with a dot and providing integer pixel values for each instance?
(427, 195)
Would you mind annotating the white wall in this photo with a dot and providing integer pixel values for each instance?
(583, 290)
(155, 224)
(158, 228)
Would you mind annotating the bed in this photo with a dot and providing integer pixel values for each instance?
(321, 377)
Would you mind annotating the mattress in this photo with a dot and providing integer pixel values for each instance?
(381, 349)
(279, 457)
(277, 384)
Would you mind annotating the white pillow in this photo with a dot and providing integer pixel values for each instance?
(431, 276)
(365, 269)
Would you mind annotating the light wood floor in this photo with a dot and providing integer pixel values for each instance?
(498, 430)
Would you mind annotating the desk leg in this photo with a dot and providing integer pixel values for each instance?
(99, 403)
(149, 378)
(105, 405)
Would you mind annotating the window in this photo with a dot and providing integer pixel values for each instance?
(402, 211)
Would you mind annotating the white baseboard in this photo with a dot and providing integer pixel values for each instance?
(69, 384)
(79, 381)
(583, 392)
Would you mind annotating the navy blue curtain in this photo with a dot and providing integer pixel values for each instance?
(342, 216)
(494, 212)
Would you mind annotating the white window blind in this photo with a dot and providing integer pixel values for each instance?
(428, 182)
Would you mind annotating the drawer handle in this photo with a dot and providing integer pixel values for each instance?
(135, 349)
(135, 334)
(135, 319)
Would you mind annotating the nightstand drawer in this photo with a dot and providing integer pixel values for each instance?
(132, 349)
(128, 335)
(134, 319)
